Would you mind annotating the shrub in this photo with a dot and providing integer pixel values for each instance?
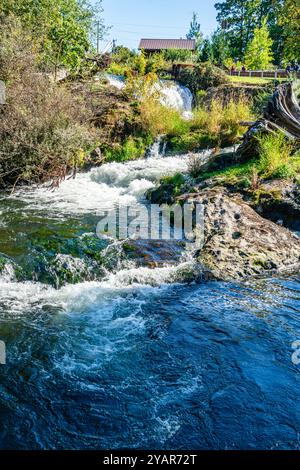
(44, 128)
(224, 121)
(202, 77)
(131, 149)
(161, 120)
(275, 156)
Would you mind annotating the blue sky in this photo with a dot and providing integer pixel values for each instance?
(133, 19)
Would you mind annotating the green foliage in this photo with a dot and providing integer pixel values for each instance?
(156, 62)
(290, 22)
(220, 49)
(275, 157)
(206, 54)
(195, 31)
(232, 174)
(173, 183)
(122, 55)
(159, 119)
(275, 160)
(60, 28)
(202, 77)
(140, 63)
(176, 180)
(259, 51)
(132, 149)
(178, 55)
(214, 126)
(44, 128)
(239, 18)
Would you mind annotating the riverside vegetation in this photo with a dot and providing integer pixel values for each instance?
(115, 344)
(51, 129)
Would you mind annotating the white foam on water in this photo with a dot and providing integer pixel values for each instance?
(21, 297)
(176, 96)
(8, 273)
(171, 94)
(101, 188)
(115, 80)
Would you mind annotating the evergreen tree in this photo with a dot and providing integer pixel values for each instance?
(220, 49)
(259, 51)
(206, 51)
(195, 31)
(238, 18)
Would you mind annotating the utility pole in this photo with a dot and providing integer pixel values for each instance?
(98, 35)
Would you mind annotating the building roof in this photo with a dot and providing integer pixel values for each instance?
(159, 44)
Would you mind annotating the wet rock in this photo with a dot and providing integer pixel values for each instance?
(238, 242)
(279, 201)
(163, 194)
(154, 253)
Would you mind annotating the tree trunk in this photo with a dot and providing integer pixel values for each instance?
(282, 113)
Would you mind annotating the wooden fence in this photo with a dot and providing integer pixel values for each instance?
(281, 73)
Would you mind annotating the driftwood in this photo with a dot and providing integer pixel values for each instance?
(282, 113)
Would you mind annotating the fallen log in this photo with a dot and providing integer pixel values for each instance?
(282, 113)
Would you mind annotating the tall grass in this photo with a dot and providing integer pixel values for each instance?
(275, 156)
(161, 120)
(226, 120)
(215, 121)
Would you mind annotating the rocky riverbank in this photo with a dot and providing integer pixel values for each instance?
(250, 221)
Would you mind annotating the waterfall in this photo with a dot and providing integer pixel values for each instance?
(172, 94)
(116, 81)
(176, 96)
(158, 148)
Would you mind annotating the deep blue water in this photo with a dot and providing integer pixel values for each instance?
(103, 354)
(204, 366)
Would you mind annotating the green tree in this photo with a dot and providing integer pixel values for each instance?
(61, 28)
(206, 51)
(220, 49)
(272, 10)
(195, 31)
(259, 51)
(238, 18)
(290, 22)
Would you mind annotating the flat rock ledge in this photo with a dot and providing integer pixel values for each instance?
(238, 242)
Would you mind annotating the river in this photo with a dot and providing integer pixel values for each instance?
(102, 353)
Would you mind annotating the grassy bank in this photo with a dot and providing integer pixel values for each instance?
(253, 80)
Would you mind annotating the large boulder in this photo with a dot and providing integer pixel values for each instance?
(238, 242)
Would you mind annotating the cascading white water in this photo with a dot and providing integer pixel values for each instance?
(176, 96)
(115, 80)
(90, 193)
(123, 183)
(172, 94)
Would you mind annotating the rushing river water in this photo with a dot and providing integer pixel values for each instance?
(104, 353)
(132, 357)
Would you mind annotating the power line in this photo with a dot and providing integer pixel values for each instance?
(148, 25)
(158, 26)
